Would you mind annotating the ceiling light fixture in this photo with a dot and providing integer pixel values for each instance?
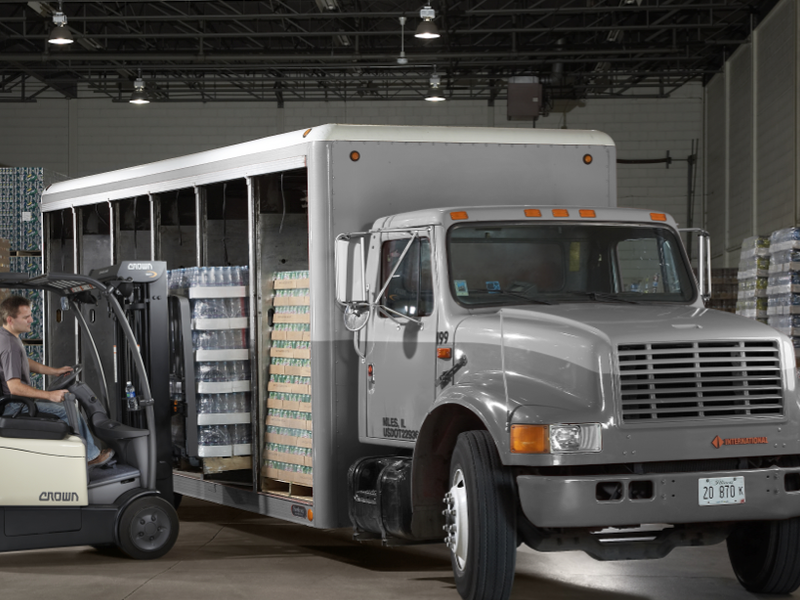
(60, 34)
(427, 29)
(402, 60)
(139, 96)
(434, 93)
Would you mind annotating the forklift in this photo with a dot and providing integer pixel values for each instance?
(49, 496)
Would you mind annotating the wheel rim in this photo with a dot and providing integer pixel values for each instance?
(456, 518)
(150, 529)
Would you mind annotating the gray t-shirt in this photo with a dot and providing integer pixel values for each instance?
(13, 360)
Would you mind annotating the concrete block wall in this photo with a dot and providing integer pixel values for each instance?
(86, 136)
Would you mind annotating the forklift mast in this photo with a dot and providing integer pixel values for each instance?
(141, 289)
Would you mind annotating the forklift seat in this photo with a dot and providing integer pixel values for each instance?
(32, 424)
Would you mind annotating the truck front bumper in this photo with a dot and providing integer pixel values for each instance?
(574, 501)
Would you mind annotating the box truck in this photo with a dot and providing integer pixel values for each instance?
(453, 335)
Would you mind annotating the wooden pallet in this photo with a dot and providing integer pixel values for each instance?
(287, 489)
(213, 465)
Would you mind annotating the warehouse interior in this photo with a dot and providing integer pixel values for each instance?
(700, 98)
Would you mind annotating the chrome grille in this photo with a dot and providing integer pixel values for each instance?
(699, 380)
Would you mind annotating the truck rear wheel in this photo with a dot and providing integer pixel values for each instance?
(481, 520)
(765, 555)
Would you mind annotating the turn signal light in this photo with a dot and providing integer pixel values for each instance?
(444, 353)
(530, 439)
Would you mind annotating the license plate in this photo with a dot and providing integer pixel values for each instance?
(714, 491)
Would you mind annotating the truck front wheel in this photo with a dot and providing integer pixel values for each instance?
(481, 519)
(765, 555)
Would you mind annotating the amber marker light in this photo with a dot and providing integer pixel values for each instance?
(444, 353)
(587, 159)
(587, 214)
(658, 216)
(306, 132)
(355, 155)
(459, 215)
(530, 439)
(310, 515)
(533, 212)
(560, 212)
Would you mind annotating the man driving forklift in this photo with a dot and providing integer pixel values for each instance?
(16, 367)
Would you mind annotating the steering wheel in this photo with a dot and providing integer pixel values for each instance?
(62, 382)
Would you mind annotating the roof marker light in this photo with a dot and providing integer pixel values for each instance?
(306, 132)
(560, 212)
(533, 212)
(658, 217)
(355, 155)
(587, 213)
(459, 215)
(587, 159)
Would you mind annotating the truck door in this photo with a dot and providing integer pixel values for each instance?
(400, 364)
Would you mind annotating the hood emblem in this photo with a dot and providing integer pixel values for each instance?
(742, 441)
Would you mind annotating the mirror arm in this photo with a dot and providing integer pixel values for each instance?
(388, 310)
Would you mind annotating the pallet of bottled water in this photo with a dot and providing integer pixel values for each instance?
(288, 454)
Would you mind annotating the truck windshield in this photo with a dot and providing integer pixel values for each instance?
(522, 263)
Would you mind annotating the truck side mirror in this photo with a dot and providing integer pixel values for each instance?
(350, 278)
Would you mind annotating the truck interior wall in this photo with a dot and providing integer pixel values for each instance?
(60, 325)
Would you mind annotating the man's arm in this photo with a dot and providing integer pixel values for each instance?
(36, 367)
(17, 388)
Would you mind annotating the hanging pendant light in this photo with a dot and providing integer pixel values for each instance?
(427, 29)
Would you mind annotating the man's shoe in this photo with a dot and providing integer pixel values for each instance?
(102, 458)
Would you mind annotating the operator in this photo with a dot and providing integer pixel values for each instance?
(15, 373)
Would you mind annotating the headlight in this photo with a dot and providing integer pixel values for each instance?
(559, 438)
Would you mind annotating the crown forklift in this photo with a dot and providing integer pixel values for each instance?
(49, 497)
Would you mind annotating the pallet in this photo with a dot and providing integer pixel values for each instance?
(213, 465)
(287, 489)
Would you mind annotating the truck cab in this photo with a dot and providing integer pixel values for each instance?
(555, 378)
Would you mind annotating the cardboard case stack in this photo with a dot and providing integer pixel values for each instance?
(754, 265)
(288, 443)
(783, 289)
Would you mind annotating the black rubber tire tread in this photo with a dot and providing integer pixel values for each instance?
(491, 557)
(131, 512)
(765, 555)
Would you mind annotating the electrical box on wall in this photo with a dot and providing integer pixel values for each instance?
(524, 98)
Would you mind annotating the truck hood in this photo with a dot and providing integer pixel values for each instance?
(558, 363)
(641, 323)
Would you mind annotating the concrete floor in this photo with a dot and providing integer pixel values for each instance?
(226, 554)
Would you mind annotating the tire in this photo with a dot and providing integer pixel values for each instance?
(481, 519)
(765, 555)
(148, 528)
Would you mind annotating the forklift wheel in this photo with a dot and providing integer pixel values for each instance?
(148, 528)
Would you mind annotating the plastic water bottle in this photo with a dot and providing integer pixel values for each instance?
(130, 394)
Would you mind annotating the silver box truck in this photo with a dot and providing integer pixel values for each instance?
(498, 354)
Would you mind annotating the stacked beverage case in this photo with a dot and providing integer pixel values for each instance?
(754, 271)
(21, 224)
(287, 451)
(783, 289)
(218, 297)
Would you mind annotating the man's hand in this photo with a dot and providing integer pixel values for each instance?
(56, 395)
(61, 371)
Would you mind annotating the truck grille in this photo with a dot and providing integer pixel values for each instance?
(699, 380)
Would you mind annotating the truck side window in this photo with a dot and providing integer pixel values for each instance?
(411, 289)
